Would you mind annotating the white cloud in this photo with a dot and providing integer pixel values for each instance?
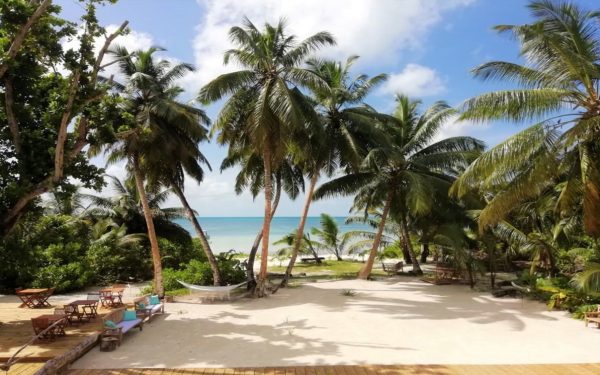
(456, 128)
(377, 31)
(414, 80)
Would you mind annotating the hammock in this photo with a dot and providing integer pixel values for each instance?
(212, 292)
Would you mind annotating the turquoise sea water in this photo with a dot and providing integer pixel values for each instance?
(238, 233)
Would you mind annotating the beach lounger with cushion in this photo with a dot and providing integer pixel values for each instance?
(117, 322)
(147, 306)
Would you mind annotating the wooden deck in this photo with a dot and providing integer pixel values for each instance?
(578, 369)
(24, 369)
(16, 330)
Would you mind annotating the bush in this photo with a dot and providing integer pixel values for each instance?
(176, 254)
(119, 264)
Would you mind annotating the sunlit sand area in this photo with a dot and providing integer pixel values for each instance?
(398, 321)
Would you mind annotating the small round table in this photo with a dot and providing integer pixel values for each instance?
(108, 344)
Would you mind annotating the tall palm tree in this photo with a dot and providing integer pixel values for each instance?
(155, 116)
(401, 176)
(184, 158)
(287, 177)
(342, 133)
(267, 91)
(559, 92)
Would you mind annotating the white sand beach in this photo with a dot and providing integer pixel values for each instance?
(397, 321)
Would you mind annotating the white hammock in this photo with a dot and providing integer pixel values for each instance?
(213, 292)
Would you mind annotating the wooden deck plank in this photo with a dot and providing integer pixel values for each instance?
(541, 369)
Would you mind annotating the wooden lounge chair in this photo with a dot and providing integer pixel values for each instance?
(592, 316)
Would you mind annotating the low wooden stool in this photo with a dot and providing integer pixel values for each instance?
(108, 344)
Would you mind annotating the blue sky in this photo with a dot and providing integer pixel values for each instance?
(426, 46)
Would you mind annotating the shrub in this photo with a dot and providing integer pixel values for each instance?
(113, 264)
(176, 254)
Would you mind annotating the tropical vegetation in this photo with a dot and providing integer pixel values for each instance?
(294, 123)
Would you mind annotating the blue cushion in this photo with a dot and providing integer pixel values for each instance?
(110, 324)
(129, 315)
(154, 300)
(140, 305)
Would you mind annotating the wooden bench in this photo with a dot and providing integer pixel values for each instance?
(592, 316)
(392, 268)
(148, 310)
(123, 326)
(311, 259)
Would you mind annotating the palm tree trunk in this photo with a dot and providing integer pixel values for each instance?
(299, 232)
(254, 249)
(424, 251)
(261, 285)
(413, 257)
(156, 261)
(214, 266)
(365, 271)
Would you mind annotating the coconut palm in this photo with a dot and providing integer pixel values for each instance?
(559, 94)
(287, 177)
(329, 238)
(401, 176)
(342, 134)
(155, 115)
(124, 208)
(265, 106)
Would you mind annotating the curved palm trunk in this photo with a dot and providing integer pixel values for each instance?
(254, 249)
(156, 261)
(365, 271)
(299, 232)
(261, 285)
(413, 257)
(214, 266)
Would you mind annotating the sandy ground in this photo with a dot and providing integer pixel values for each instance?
(398, 321)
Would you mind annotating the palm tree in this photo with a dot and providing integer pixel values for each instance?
(67, 200)
(184, 158)
(401, 176)
(340, 136)
(155, 116)
(287, 177)
(306, 247)
(559, 92)
(124, 208)
(329, 237)
(266, 105)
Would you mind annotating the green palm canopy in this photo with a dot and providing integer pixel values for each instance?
(558, 94)
(403, 174)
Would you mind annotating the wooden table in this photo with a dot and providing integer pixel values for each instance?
(89, 307)
(110, 297)
(33, 298)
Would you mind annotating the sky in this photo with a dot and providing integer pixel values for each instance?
(427, 47)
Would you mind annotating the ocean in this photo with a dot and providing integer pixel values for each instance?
(238, 233)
